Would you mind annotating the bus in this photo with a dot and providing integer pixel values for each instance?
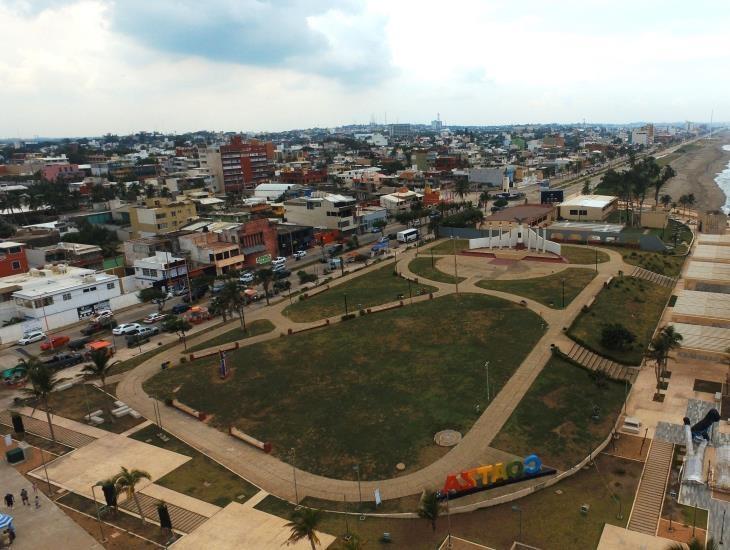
(407, 235)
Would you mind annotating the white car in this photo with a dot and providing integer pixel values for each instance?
(246, 278)
(299, 254)
(102, 314)
(154, 318)
(30, 337)
(126, 328)
(278, 261)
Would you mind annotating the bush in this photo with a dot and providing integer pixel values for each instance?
(183, 359)
(363, 312)
(305, 277)
(348, 316)
(616, 336)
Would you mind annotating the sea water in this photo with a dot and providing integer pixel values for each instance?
(723, 181)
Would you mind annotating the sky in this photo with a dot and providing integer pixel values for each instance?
(88, 67)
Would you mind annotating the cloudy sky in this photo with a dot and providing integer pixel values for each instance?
(86, 67)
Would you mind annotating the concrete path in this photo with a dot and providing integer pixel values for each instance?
(276, 477)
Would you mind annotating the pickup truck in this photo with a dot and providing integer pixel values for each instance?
(63, 360)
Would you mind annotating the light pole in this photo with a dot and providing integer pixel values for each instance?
(448, 518)
(516, 508)
(395, 261)
(356, 467)
(410, 294)
(596, 260)
(345, 297)
(98, 517)
(294, 471)
(563, 283)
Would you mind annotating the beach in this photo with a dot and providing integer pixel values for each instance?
(696, 173)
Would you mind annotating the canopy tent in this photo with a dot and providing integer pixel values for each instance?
(6, 521)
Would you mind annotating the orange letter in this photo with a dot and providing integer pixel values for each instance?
(466, 476)
(452, 484)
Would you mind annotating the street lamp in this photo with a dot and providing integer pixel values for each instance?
(562, 280)
(596, 260)
(356, 467)
(98, 517)
(345, 297)
(486, 367)
(456, 273)
(294, 471)
(516, 508)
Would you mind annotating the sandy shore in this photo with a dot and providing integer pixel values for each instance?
(696, 173)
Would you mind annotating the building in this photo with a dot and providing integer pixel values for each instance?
(643, 136)
(702, 308)
(325, 211)
(400, 201)
(88, 256)
(490, 177)
(257, 239)
(272, 191)
(209, 248)
(13, 258)
(588, 208)
(399, 131)
(707, 276)
(245, 164)
(160, 215)
(292, 237)
(138, 249)
(303, 176)
(163, 270)
(368, 215)
(529, 214)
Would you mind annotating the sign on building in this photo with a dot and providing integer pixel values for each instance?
(265, 259)
(552, 196)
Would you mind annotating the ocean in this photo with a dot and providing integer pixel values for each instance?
(723, 180)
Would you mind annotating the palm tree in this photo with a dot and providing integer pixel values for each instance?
(127, 480)
(99, 368)
(461, 188)
(303, 525)
(353, 543)
(484, 199)
(666, 174)
(694, 545)
(661, 345)
(265, 276)
(665, 200)
(691, 200)
(429, 507)
(232, 298)
(43, 382)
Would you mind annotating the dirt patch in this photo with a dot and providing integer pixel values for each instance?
(553, 398)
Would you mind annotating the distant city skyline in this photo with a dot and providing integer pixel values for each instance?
(88, 67)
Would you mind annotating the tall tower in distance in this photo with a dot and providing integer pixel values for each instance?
(436, 124)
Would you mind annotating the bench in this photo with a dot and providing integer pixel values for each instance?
(95, 413)
(238, 434)
(96, 420)
(631, 425)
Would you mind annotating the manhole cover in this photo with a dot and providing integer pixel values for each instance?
(447, 438)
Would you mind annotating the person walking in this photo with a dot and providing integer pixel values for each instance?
(5, 539)
(9, 500)
(24, 497)
(11, 534)
(37, 502)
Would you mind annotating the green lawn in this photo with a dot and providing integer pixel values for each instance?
(447, 246)
(373, 390)
(201, 477)
(546, 290)
(664, 264)
(581, 255)
(635, 303)
(551, 521)
(422, 267)
(372, 289)
(554, 418)
(260, 326)
(129, 364)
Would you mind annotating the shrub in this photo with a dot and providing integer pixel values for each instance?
(616, 336)
(348, 316)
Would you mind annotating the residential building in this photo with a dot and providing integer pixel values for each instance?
(529, 214)
(368, 215)
(588, 208)
(88, 256)
(490, 176)
(163, 270)
(160, 215)
(291, 238)
(13, 259)
(245, 164)
(209, 248)
(303, 176)
(138, 249)
(272, 191)
(257, 239)
(326, 210)
(398, 131)
(400, 201)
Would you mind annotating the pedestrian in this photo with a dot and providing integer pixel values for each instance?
(24, 497)
(35, 488)
(5, 539)
(37, 502)
(9, 500)
(11, 534)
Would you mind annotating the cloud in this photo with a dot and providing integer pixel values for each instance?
(335, 39)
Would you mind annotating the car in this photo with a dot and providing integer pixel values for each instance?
(55, 342)
(154, 318)
(392, 236)
(375, 230)
(30, 337)
(177, 309)
(98, 326)
(246, 278)
(63, 360)
(102, 314)
(278, 267)
(143, 334)
(299, 254)
(181, 291)
(126, 328)
(281, 274)
(279, 260)
(79, 343)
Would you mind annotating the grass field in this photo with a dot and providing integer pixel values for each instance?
(129, 364)
(554, 418)
(546, 290)
(447, 246)
(550, 521)
(372, 289)
(635, 303)
(422, 267)
(201, 477)
(581, 255)
(371, 391)
(260, 326)
(671, 266)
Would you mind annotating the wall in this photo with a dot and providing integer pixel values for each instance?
(531, 239)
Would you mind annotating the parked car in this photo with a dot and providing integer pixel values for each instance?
(126, 328)
(55, 342)
(375, 230)
(99, 326)
(102, 314)
(335, 249)
(154, 318)
(279, 267)
(299, 254)
(30, 337)
(180, 291)
(142, 335)
(392, 236)
(281, 274)
(279, 260)
(177, 309)
(246, 278)
(79, 343)
(196, 294)
(63, 360)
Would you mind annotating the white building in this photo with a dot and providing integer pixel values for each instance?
(161, 270)
(400, 201)
(326, 211)
(272, 191)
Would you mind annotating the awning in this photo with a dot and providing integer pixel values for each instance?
(5, 521)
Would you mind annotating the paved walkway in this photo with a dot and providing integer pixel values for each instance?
(276, 477)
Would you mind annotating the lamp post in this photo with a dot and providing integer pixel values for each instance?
(98, 517)
(294, 471)
(448, 518)
(356, 467)
(345, 297)
(395, 261)
(563, 284)
(486, 367)
(596, 260)
(516, 508)
(431, 257)
(410, 294)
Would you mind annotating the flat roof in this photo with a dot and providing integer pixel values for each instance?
(588, 227)
(708, 271)
(702, 337)
(719, 240)
(590, 201)
(711, 252)
(10, 244)
(527, 211)
(703, 304)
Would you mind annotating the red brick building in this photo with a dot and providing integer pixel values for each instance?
(255, 238)
(303, 177)
(13, 260)
(245, 164)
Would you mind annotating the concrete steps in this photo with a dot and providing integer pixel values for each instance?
(595, 362)
(663, 280)
(182, 519)
(650, 495)
(39, 427)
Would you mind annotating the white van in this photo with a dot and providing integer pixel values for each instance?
(407, 235)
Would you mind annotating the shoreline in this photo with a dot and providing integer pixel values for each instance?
(696, 173)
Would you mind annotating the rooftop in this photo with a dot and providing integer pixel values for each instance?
(708, 271)
(527, 211)
(40, 282)
(703, 304)
(588, 227)
(590, 201)
(9, 244)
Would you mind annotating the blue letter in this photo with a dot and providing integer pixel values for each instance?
(532, 464)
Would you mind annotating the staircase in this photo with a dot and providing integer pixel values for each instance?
(650, 495)
(595, 362)
(39, 427)
(656, 278)
(182, 519)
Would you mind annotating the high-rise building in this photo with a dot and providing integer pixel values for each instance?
(245, 164)
(400, 130)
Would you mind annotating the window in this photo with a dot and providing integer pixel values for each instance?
(15, 266)
(573, 212)
(110, 286)
(66, 296)
(161, 215)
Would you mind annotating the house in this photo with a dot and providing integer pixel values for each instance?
(88, 256)
(208, 248)
(257, 239)
(400, 201)
(13, 258)
(588, 208)
(326, 210)
(161, 215)
(163, 270)
(272, 191)
(368, 215)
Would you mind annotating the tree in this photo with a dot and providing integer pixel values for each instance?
(126, 481)
(665, 200)
(179, 325)
(461, 188)
(303, 525)
(484, 197)
(429, 507)
(660, 347)
(666, 174)
(43, 382)
(380, 225)
(153, 294)
(305, 277)
(265, 276)
(99, 368)
(691, 200)
(586, 187)
(232, 298)
(501, 203)
(616, 336)
(218, 307)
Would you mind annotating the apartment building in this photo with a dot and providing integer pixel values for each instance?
(211, 248)
(160, 215)
(163, 270)
(328, 211)
(245, 164)
(13, 258)
(88, 256)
